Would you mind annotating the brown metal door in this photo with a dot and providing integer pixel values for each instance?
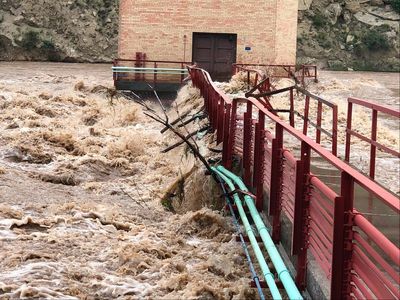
(215, 53)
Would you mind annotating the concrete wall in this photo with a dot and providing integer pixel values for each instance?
(158, 28)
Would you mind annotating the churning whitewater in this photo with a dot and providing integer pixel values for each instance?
(85, 209)
(80, 187)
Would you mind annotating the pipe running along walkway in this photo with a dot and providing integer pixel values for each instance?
(284, 276)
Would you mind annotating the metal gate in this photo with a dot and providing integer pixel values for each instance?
(215, 52)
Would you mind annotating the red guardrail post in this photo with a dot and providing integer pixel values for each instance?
(234, 68)
(210, 95)
(374, 129)
(259, 152)
(225, 145)
(334, 129)
(221, 119)
(291, 116)
(319, 123)
(155, 74)
(232, 135)
(342, 239)
(214, 101)
(301, 214)
(138, 64)
(247, 132)
(115, 76)
(348, 134)
(276, 182)
(267, 86)
(306, 113)
(182, 74)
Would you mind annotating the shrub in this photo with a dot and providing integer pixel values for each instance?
(337, 66)
(80, 3)
(319, 20)
(30, 40)
(375, 41)
(299, 40)
(381, 66)
(384, 28)
(322, 39)
(48, 45)
(396, 5)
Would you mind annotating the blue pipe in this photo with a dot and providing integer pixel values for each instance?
(283, 273)
(269, 277)
(256, 279)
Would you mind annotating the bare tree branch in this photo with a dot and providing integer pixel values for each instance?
(137, 202)
(187, 137)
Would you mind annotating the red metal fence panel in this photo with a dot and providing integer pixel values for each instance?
(372, 140)
(326, 225)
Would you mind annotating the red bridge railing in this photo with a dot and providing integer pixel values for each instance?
(258, 81)
(282, 71)
(372, 139)
(153, 71)
(254, 76)
(359, 261)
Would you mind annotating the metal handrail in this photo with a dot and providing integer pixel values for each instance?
(367, 183)
(375, 108)
(223, 117)
(269, 91)
(289, 69)
(140, 70)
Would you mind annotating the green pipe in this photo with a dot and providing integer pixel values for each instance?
(283, 273)
(269, 277)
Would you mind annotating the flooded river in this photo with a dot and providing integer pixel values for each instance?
(81, 183)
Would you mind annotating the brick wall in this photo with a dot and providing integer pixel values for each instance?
(158, 27)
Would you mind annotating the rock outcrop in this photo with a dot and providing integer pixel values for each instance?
(69, 30)
(349, 34)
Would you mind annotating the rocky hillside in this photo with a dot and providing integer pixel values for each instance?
(350, 34)
(66, 30)
(338, 34)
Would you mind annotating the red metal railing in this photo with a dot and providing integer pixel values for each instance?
(326, 225)
(374, 144)
(258, 81)
(155, 76)
(282, 71)
(254, 76)
(321, 104)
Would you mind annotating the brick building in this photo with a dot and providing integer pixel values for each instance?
(212, 33)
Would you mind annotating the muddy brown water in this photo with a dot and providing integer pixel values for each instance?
(81, 179)
(80, 220)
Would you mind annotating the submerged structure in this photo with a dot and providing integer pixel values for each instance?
(157, 39)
